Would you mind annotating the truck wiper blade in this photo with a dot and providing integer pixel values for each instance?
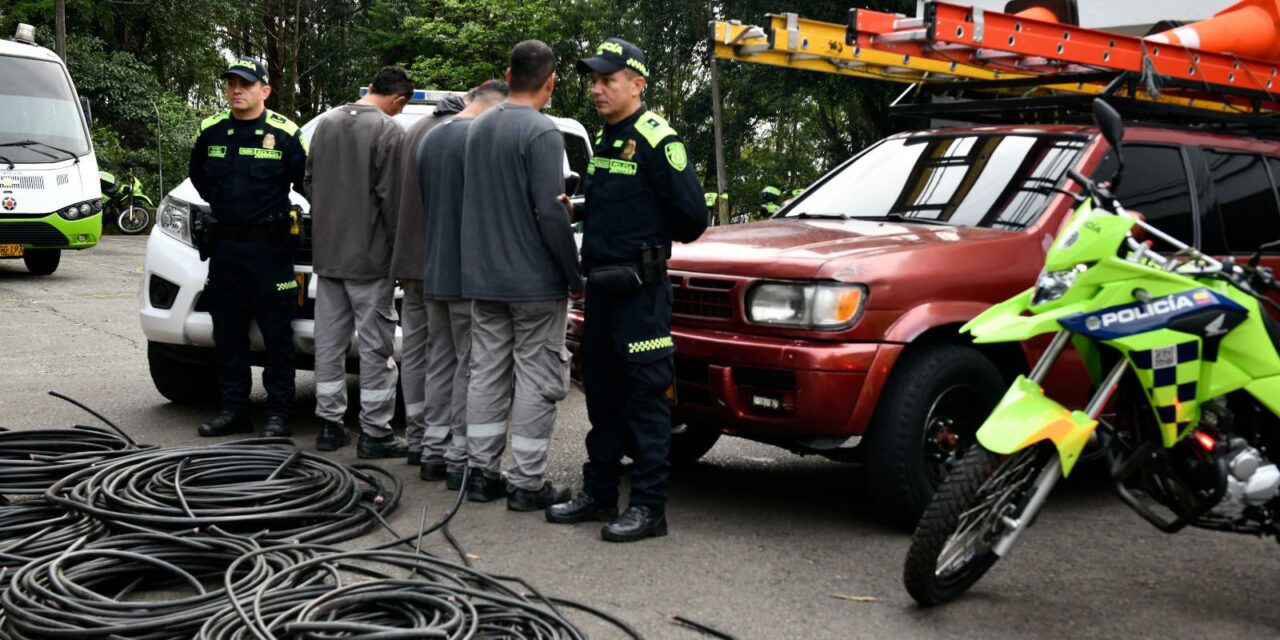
(11, 165)
(806, 215)
(27, 144)
(898, 217)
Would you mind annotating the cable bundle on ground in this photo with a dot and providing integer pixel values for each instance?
(137, 586)
(34, 528)
(32, 460)
(387, 594)
(268, 490)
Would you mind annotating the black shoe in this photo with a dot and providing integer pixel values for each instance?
(226, 424)
(582, 508)
(636, 523)
(453, 480)
(525, 500)
(388, 446)
(482, 488)
(433, 471)
(332, 436)
(415, 458)
(277, 427)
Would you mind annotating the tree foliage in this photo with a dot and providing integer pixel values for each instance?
(781, 127)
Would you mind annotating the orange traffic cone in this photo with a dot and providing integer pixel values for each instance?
(1063, 11)
(1250, 28)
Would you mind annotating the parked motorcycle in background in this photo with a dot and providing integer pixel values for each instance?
(125, 205)
(1191, 342)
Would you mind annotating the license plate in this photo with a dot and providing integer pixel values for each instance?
(671, 394)
(10, 251)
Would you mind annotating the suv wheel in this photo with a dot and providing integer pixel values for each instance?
(183, 374)
(936, 398)
(42, 262)
(689, 442)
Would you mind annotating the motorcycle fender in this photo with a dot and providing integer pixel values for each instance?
(146, 199)
(1026, 416)
(1007, 322)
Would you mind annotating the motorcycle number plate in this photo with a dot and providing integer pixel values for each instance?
(10, 251)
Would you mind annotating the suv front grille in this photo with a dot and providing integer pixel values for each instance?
(37, 233)
(699, 297)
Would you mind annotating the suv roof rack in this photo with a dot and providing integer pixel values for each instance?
(992, 67)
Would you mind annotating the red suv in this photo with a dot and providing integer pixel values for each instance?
(833, 328)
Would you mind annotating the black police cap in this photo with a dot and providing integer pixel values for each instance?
(615, 54)
(247, 68)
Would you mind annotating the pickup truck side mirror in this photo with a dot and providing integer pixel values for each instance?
(571, 183)
(88, 111)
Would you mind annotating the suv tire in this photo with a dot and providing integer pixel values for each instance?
(183, 374)
(937, 397)
(42, 262)
(690, 444)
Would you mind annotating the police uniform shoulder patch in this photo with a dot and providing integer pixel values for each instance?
(282, 123)
(676, 155)
(214, 119)
(653, 128)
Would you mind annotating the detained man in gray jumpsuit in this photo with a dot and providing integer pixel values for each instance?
(439, 162)
(351, 177)
(522, 265)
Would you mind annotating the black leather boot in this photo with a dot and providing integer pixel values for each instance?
(332, 436)
(482, 488)
(226, 424)
(525, 500)
(277, 427)
(432, 471)
(582, 508)
(636, 523)
(388, 446)
(453, 479)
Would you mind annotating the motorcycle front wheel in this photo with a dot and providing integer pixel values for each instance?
(953, 544)
(133, 220)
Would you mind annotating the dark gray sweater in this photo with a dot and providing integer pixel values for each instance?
(406, 260)
(517, 244)
(440, 172)
(351, 185)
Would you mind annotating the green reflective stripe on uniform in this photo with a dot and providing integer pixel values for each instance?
(282, 123)
(287, 286)
(262, 154)
(214, 119)
(218, 151)
(612, 165)
(599, 137)
(655, 344)
(653, 128)
(617, 144)
(258, 132)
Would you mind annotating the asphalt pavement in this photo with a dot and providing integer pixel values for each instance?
(763, 543)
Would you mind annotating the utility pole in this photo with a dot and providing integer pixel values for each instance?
(722, 205)
(60, 27)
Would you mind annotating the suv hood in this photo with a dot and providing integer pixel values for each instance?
(802, 248)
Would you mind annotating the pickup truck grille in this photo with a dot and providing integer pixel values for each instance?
(708, 298)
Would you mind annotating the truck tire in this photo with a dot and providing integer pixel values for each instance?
(183, 374)
(42, 262)
(690, 443)
(936, 398)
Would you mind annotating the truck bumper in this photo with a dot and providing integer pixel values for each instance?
(775, 389)
(52, 232)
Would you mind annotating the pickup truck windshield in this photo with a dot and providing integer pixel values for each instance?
(977, 180)
(38, 108)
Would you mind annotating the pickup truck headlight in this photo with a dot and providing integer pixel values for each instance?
(174, 217)
(808, 305)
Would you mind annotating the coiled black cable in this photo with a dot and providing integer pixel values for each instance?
(386, 594)
(33, 460)
(141, 586)
(34, 528)
(263, 489)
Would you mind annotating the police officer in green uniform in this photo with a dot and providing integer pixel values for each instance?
(772, 197)
(243, 164)
(641, 194)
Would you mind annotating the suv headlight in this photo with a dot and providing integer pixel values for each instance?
(174, 218)
(808, 305)
(1052, 285)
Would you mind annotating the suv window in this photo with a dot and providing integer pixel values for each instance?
(575, 147)
(992, 181)
(1155, 185)
(1245, 210)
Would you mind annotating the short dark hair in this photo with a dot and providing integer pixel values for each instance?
(492, 90)
(392, 81)
(532, 62)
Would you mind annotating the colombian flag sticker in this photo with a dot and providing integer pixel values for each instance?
(1202, 297)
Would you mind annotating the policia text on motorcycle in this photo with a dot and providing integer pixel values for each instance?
(641, 194)
(243, 164)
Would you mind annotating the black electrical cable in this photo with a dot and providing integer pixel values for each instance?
(33, 460)
(34, 528)
(139, 586)
(362, 594)
(264, 489)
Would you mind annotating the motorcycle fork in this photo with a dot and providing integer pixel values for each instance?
(1052, 471)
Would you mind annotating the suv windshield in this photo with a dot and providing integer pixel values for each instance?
(37, 104)
(997, 181)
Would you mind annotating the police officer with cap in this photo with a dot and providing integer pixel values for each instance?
(641, 195)
(243, 164)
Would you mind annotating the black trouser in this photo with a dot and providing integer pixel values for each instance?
(627, 365)
(253, 280)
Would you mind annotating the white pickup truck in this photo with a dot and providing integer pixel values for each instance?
(177, 324)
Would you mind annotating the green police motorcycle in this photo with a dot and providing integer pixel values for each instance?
(125, 204)
(1189, 343)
